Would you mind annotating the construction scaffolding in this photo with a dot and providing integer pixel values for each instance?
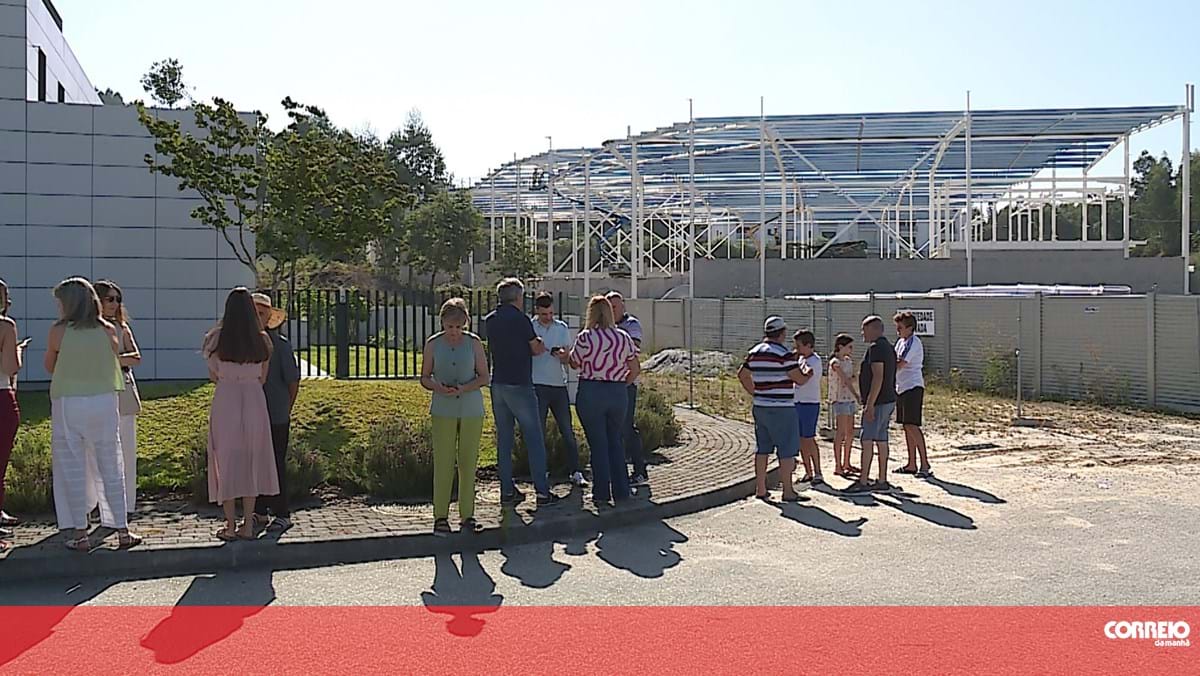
(893, 185)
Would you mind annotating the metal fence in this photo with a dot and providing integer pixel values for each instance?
(350, 333)
(1137, 349)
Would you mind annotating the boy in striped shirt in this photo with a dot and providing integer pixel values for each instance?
(769, 375)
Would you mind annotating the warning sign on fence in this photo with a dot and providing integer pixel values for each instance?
(925, 323)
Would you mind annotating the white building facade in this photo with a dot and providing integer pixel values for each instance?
(76, 198)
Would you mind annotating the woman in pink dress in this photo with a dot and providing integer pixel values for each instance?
(241, 459)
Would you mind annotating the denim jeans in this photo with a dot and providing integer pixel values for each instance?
(514, 405)
(632, 435)
(602, 411)
(557, 401)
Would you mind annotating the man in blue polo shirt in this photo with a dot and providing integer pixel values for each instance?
(634, 450)
(513, 345)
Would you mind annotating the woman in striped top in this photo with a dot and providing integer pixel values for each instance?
(606, 358)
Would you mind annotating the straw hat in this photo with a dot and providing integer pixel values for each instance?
(278, 315)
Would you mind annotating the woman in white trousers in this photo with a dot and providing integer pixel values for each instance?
(112, 309)
(81, 357)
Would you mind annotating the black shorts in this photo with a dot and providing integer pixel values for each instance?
(909, 406)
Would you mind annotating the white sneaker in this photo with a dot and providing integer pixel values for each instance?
(578, 480)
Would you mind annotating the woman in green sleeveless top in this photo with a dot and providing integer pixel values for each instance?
(454, 368)
(81, 357)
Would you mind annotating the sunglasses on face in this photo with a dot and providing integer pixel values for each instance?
(112, 299)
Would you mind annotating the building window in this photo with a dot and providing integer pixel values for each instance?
(62, 93)
(41, 75)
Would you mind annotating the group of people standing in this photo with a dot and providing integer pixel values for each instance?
(90, 353)
(94, 402)
(530, 357)
(785, 385)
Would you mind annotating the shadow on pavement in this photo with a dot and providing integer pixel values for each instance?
(21, 632)
(646, 550)
(211, 610)
(815, 517)
(935, 514)
(462, 594)
(964, 491)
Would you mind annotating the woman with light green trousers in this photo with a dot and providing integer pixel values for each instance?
(455, 368)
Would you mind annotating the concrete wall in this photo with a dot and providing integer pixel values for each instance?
(76, 198)
(739, 278)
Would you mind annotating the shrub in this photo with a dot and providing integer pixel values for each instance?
(656, 420)
(397, 461)
(1000, 373)
(29, 483)
(556, 449)
(196, 448)
(305, 470)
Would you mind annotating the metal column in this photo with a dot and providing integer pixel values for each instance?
(762, 200)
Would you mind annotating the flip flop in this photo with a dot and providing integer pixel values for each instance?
(905, 470)
(225, 536)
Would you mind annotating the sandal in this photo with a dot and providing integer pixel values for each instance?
(441, 527)
(127, 539)
(906, 470)
(80, 544)
(226, 535)
(794, 497)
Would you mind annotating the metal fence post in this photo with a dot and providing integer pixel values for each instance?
(949, 343)
(342, 335)
(1151, 350)
(1037, 376)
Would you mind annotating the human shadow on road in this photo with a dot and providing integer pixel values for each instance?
(21, 631)
(462, 594)
(936, 514)
(646, 550)
(815, 517)
(965, 491)
(211, 610)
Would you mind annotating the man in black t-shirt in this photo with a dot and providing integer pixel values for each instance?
(877, 382)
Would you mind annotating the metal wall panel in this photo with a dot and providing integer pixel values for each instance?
(982, 330)
(1177, 352)
(743, 325)
(1095, 348)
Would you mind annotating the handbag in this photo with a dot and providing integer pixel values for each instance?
(129, 402)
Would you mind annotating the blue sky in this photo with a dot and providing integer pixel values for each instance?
(494, 78)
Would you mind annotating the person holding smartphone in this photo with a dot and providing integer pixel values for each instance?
(12, 352)
(550, 378)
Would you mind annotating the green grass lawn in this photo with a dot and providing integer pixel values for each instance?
(365, 362)
(341, 430)
(333, 417)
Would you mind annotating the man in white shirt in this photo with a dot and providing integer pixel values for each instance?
(910, 393)
(550, 378)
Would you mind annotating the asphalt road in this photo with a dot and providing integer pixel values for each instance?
(986, 539)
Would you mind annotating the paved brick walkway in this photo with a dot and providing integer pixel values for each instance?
(713, 454)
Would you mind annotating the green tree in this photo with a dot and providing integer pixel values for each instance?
(515, 255)
(164, 83)
(220, 164)
(110, 98)
(442, 231)
(330, 193)
(417, 159)
(1155, 210)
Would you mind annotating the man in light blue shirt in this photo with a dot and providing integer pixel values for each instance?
(634, 450)
(550, 377)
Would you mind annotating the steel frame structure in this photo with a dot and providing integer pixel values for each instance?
(914, 185)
